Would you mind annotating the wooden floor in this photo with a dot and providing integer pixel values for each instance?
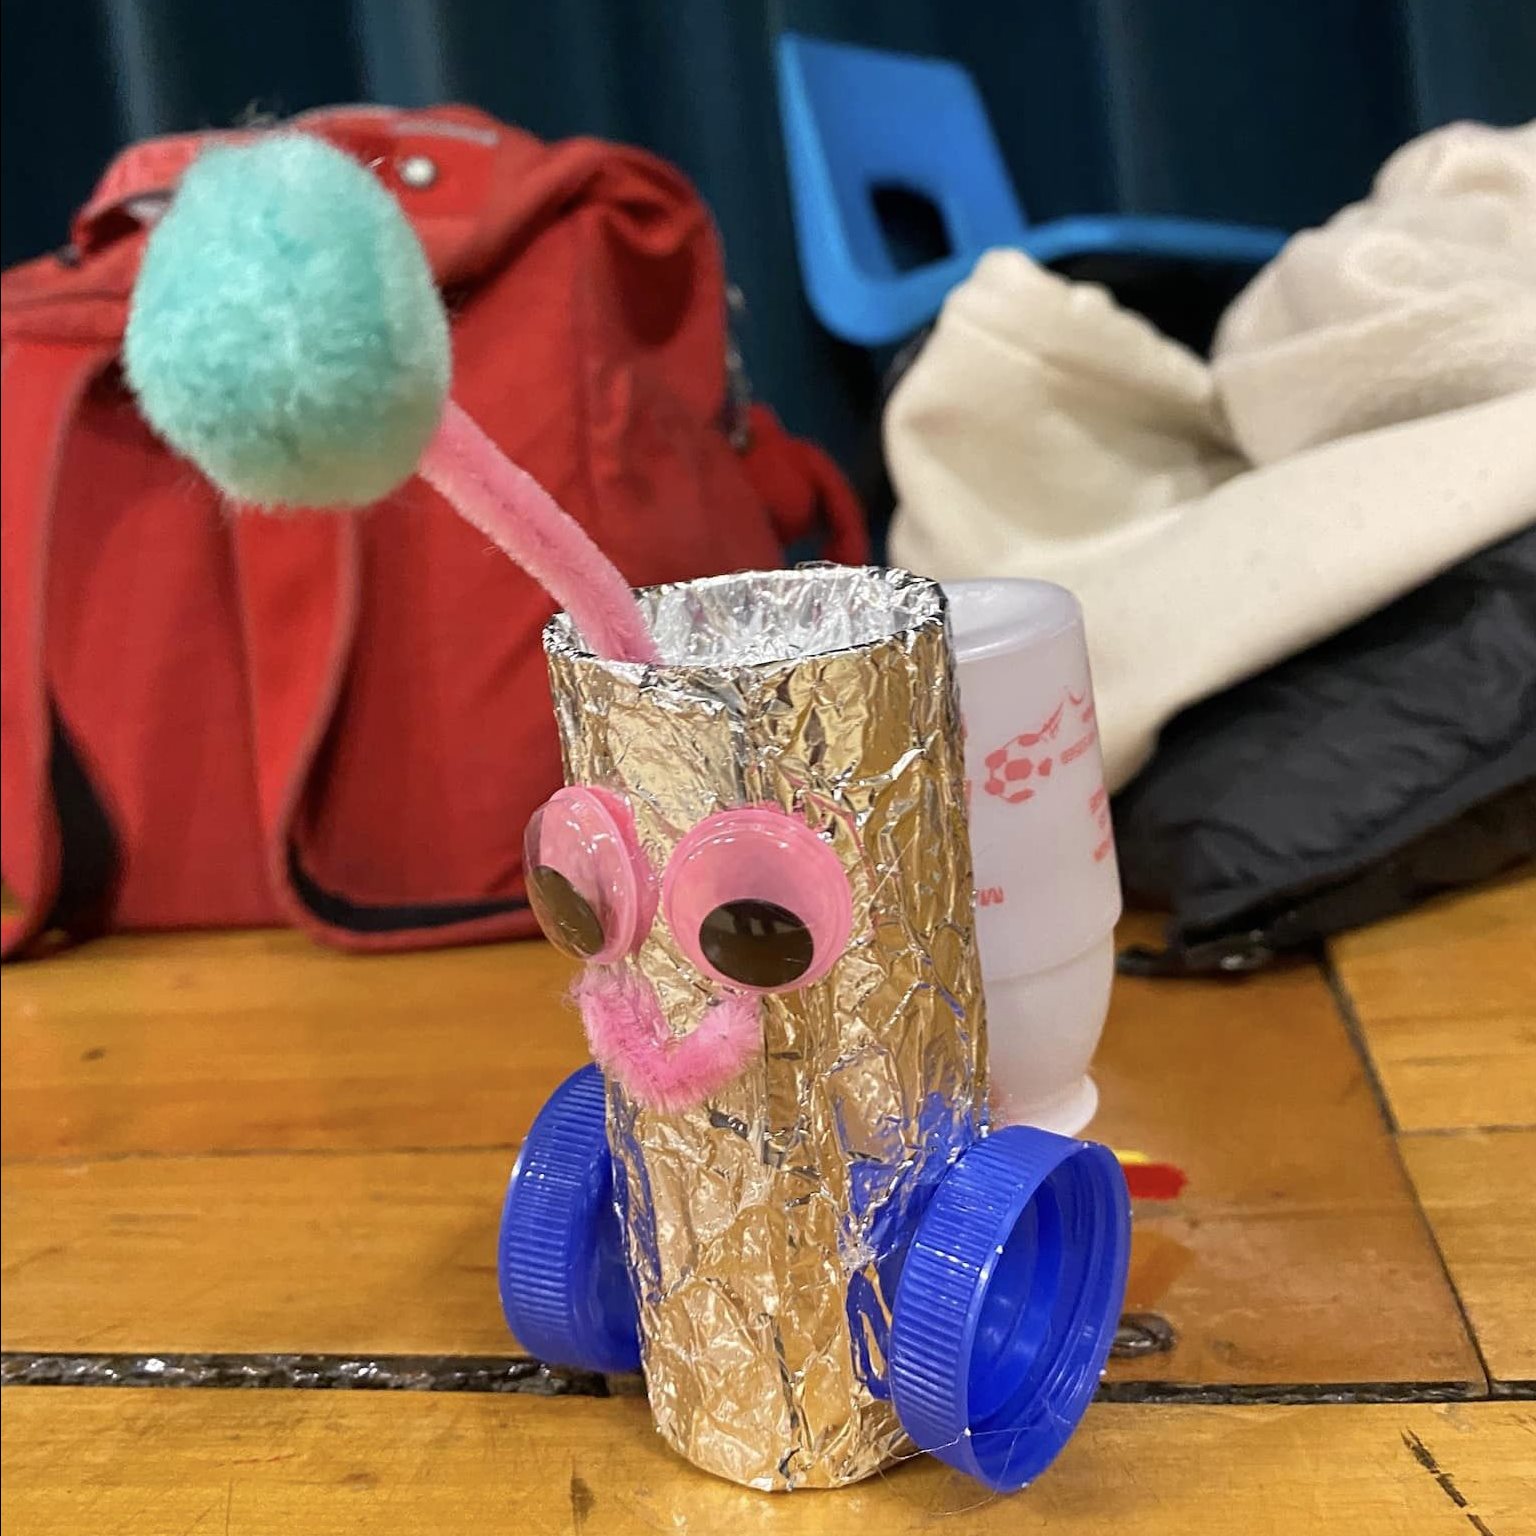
(239, 1160)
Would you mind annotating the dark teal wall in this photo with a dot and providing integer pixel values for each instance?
(1270, 110)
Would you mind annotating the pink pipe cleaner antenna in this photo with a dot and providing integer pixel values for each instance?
(525, 522)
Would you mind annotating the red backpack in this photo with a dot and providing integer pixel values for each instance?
(343, 721)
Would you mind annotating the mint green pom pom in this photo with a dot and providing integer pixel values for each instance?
(285, 333)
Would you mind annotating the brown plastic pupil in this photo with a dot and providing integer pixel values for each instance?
(564, 913)
(757, 943)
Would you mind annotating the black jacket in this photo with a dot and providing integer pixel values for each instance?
(1396, 759)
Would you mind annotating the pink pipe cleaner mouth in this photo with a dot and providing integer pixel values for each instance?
(628, 1034)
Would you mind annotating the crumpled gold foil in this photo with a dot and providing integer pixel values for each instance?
(765, 1228)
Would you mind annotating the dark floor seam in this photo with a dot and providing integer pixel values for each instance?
(1345, 1005)
(519, 1374)
(92, 1159)
(1356, 1031)
(366, 1373)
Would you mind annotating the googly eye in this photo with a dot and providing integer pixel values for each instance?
(588, 883)
(757, 900)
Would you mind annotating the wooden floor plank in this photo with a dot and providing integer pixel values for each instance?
(264, 1041)
(1446, 997)
(394, 1253)
(118, 1462)
(389, 1253)
(1479, 1192)
(1297, 1217)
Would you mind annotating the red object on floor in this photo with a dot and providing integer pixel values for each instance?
(1151, 1181)
(343, 722)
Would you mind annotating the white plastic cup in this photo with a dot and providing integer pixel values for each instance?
(1047, 885)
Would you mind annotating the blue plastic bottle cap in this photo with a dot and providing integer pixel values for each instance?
(1008, 1302)
(565, 1286)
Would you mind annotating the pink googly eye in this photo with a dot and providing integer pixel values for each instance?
(757, 900)
(588, 882)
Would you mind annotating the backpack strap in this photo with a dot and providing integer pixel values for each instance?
(299, 579)
(37, 416)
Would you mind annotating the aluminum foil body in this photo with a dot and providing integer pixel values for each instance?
(765, 1228)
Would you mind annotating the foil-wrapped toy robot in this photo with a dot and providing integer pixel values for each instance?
(784, 1205)
(775, 1193)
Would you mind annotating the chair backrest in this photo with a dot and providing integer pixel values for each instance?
(857, 121)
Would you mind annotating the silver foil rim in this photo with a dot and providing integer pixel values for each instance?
(791, 616)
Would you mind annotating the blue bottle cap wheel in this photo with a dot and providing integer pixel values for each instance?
(565, 1286)
(1008, 1302)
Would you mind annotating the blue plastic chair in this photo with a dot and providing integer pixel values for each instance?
(856, 120)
